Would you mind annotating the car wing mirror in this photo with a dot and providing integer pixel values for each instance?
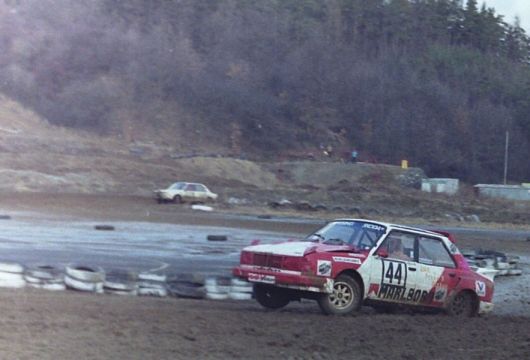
(382, 253)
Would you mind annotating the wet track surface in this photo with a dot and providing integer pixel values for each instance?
(134, 245)
(174, 248)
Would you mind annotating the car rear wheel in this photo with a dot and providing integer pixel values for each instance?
(177, 199)
(270, 297)
(462, 305)
(345, 298)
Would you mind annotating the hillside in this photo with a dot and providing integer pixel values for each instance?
(38, 157)
(437, 82)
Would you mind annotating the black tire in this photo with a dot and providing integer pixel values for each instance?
(345, 298)
(270, 297)
(462, 305)
(177, 199)
(104, 227)
(216, 237)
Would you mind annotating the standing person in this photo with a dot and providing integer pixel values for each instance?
(354, 156)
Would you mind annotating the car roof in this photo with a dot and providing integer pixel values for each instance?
(397, 227)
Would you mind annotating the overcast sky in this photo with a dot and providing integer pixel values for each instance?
(510, 9)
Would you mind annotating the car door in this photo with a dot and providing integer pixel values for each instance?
(437, 270)
(200, 193)
(393, 276)
(189, 192)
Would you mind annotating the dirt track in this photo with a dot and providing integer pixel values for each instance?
(43, 325)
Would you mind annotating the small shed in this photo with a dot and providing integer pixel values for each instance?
(440, 185)
(511, 192)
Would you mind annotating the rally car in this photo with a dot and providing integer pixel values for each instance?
(353, 262)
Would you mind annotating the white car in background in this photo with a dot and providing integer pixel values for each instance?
(180, 192)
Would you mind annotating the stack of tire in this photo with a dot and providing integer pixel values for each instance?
(217, 288)
(189, 286)
(494, 260)
(84, 278)
(44, 277)
(513, 265)
(240, 289)
(152, 284)
(12, 275)
(120, 282)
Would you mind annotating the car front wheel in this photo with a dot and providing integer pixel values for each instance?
(177, 199)
(462, 305)
(270, 297)
(345, 298)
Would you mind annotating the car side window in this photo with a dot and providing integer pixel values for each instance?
(200, 188)
(190, 187)
(433, 252)
(399, 245)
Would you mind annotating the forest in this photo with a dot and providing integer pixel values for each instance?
(437, 82)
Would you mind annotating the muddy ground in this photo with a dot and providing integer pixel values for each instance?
(46, 325)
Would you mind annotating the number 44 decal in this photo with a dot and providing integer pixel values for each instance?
(394, 272)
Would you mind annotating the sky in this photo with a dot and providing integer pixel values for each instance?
(510, 9)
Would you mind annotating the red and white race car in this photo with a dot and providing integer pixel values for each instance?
(351, 262)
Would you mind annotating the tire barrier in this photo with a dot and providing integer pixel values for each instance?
(84, 278)
(186, 289)
(12, 275)
(497, 263)
(44, 277)
(217, 288)
(222, 288)
(151, 284)
(240, 289)
(120, 282)
(93, 279)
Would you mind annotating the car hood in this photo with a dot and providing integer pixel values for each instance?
(296, 248)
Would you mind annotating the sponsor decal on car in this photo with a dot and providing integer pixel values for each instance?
(394, 284)
(373, 227)
(346, 259)
(362, 256)
(480, 288)
(267, 279)
(324, 268)
(440, 293)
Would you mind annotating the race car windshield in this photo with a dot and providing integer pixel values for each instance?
(361, 235)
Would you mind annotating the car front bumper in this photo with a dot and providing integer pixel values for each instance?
(284, 278)
(485, 307)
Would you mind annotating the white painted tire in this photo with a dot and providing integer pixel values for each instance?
(119, 286)
(241, 289)
(239, 282)
(54, 287)
(13, 268)
(43, 272)
(50, 287)
(240, 296)
(5, 276)
(82, 273)
(152, 277)
(85, 286)
(217, 289)
(120, 292)
(13, 284)
(216, 296)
